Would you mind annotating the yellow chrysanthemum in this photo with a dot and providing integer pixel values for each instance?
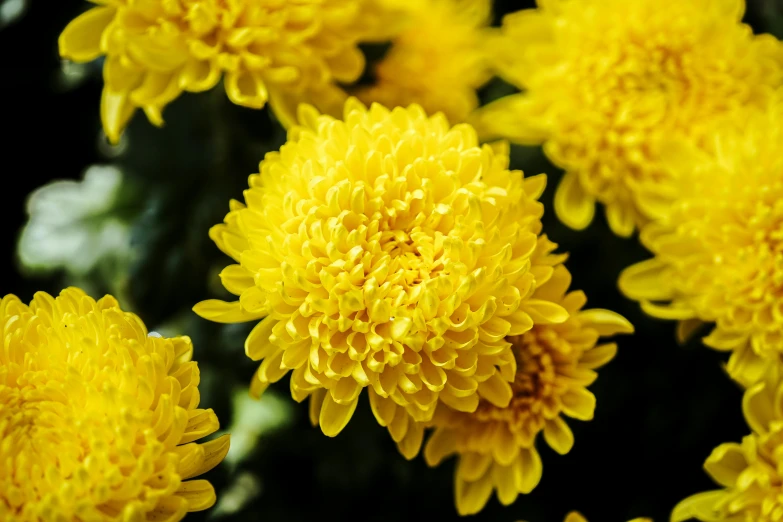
(387, 251)
(578, 517)
(555, 363)
(97, 418)
(438, 61)
(281, 51)
(719, 255)
(606, 82)
(750, 472)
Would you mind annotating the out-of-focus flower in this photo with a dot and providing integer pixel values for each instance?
(555, 363)
(240, 493)
(438, 61)
(11, 11)
(577, 517)
(251, 419)
(607, 82)
(97, 419)
(387, 251)
(283, 52)
(71, 223)
(719, 254)
(749, 472)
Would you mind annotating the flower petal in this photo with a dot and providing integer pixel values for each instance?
(558, 435)
(471, 497)
(573, 205)
(605, 322)
(199, 494)
(702, 506)
(223, 312)
(725, 464)
(646, 280)
(334, 417)
(80, 41)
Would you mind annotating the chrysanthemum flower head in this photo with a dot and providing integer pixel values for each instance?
(749, 472)
(388, 251)
(97, 419)
(555, 364)
(437, 61)
(605, 82)
(280, 51)
(719, 254)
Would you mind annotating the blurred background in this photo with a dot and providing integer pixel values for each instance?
(132, 220)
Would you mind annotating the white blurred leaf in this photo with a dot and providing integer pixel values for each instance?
(11, 10)
(251, 419)
(246, 487)
(71, 225)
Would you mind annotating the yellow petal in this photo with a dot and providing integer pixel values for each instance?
(440, 445)
(410, 445)
(558, 435)
(398, 427)
(200, 424)
(199, 75)
(701, 506)
(471, 497)
(383, 409)
(168, 509)
(723, 340)
(257, 345)
(316, 403)
(236, 279)
(598, 356)
(116, 112)
(605, 322)
(505, 485)
(575, 517)
(534, 185)
(496, 390)
(620, 217)
(686, 329)
(199, 494)
(545, 312)
(334, 417)
(246, 88)
(573, 205)
(347, 67)
(223, 312)
(515, 118)
(579, 404)
(646, 280)
(81, 39)
(257, 385)
(527, 470)
(472, 466)
(725, 464)
(746, 367)
(758, 406)
(676, 312)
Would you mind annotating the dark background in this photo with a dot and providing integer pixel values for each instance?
(661, 407)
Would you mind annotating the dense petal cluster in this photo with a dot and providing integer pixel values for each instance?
(388, 251)
(98, 418)
(749, 472)
(437, 61)
(606, 82)
(280, 51)
(554, 366)
(719, 254)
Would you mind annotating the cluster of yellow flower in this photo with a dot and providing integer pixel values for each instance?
(392, 252)
(386, 249)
